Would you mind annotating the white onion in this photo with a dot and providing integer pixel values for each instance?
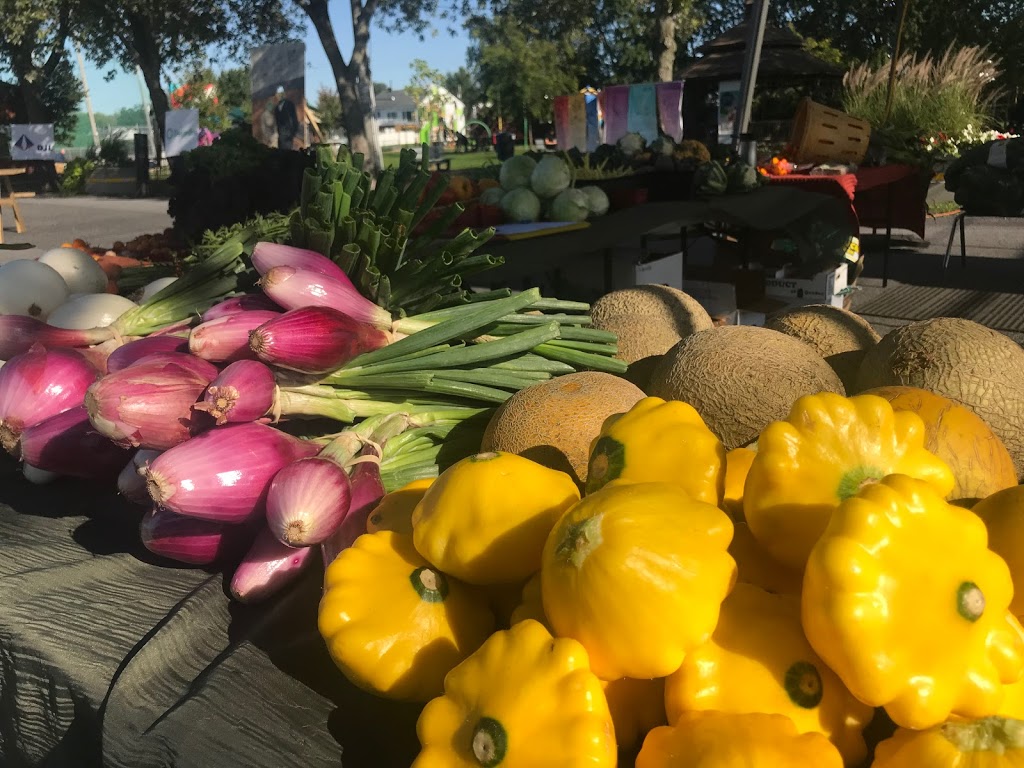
(95, 310)
(79, 270)
(38, 476)
(31, 288)
(157, 285)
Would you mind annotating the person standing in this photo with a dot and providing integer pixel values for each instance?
(286, 119)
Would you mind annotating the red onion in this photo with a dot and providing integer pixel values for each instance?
(307, 501)
(314, 340)
(244, 391)
(148, 405)
(68, 445)
(186, 539)
(225, 339)
(223, 474)
(38, 384)
(99, 354)
(133, 351)
(266, 256)
(131, 483)
(19, 332)
(294, 288)
(237, 304)
(202, 368)
(367, 491)
(268, 567)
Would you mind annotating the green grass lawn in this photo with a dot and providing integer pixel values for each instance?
(461, 161)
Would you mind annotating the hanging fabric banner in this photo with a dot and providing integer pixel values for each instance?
(593, 125)
(616, 112)
(643, 111)
(670, 108)
(577, 122)
(561, 109)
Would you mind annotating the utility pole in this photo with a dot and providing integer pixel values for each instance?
(145, 112)
(756, 22)
(88, 98)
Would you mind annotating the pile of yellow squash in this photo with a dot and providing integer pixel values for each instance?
(697, 609)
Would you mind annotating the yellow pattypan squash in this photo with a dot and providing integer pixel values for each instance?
(755, 566)
(992, 742)
(737, 467)
(722, 740)
(485, 518)
(1003, 513)
(637, 572)
(658, 441)
(523, 700)
(531, 605)
(394, 624)
(394, 512)
(905, 602)
(1013, 701)
(758, 660)
(829, 447)
(637, 706)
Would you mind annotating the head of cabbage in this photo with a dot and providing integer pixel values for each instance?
(492, 196)
(597, 200)
(550, 177)
(569, 205)
(521, 205)
(515, 172)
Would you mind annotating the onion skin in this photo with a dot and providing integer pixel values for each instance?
(148, 405)
(266, 256)
(37, 385)
(223, 474)
(314, 340)
(236, 304)
(367, 491)
(186, 539)
(226, 339)
(307, 502)
(202, 368)
(68, 445)
(294, 288)
(131, 483)
(19, 332)
(244, 391)
(268, 567)
(133, 351)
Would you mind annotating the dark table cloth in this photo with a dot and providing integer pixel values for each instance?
(110, 656)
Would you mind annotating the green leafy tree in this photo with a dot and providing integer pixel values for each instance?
(235, 90)
(328, 109)
(463, 85)
(423, 85)
(195, 94)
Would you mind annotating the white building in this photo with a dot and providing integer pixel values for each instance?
(399, 118)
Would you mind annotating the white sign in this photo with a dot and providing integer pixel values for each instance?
(181, 131)
(32, 142)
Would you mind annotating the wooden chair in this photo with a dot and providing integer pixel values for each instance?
(9, 199)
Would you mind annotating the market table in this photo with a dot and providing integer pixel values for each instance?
(110, 656)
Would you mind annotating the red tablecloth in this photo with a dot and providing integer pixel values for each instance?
(885, 194)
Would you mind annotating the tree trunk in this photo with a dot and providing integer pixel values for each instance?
(148, 57)
(348, 77)
(666, 44)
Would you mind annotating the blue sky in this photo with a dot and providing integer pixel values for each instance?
(390, 56)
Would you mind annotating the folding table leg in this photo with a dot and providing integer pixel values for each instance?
(949, 244)
(963, 241)
(19, 223)
(1, 224)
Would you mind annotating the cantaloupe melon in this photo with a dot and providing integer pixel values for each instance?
(741, 378)
(840, 336)
(979, 460)
(553, 423)
(970, 364)
(649, 319)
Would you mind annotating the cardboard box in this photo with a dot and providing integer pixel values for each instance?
(718, 298)
(759, 312)
(825, 287)
(667, 270)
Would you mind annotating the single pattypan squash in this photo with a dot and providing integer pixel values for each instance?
(531, 604)
(737, 467)
(992, 742)
(723, 740)
(758, 660)
(829, 447)
(755, 566)
(905, 602)
(637, 706)
(523, 700)
(394, 624)
(394, 512)
(637, 572)
(658, 441)
(485, 519)
(1012, 704)
(1003, 513)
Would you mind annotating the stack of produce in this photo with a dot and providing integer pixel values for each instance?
(347, 371)
(532, 190)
